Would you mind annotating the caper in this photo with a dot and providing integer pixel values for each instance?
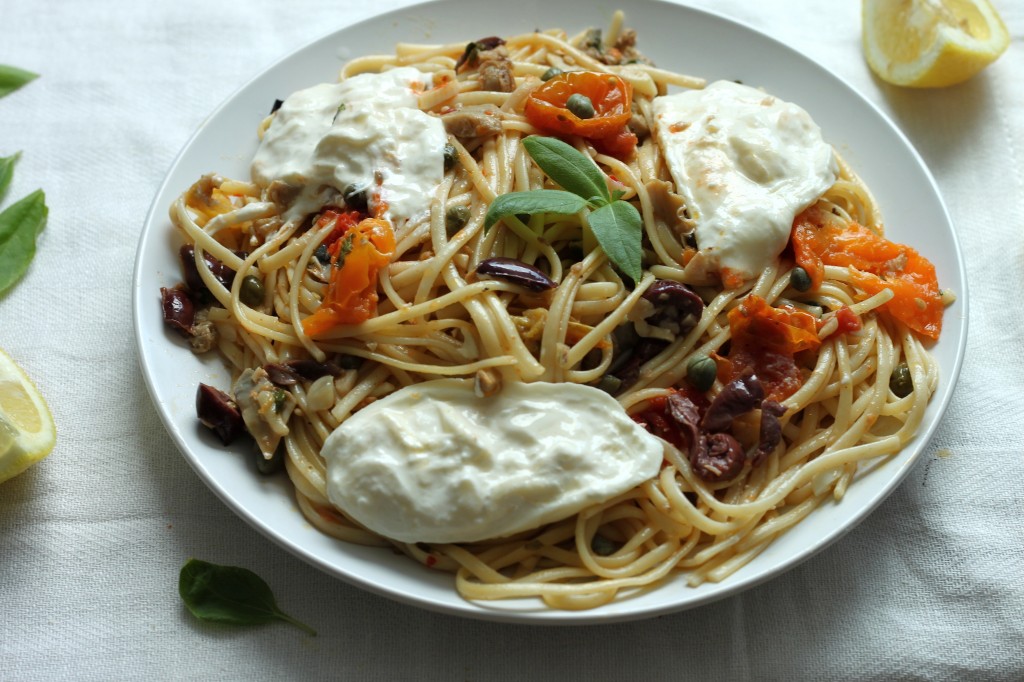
(701, 371)
(270, 466)
(251, 292)
(551, 73)
(321, 254)
(901, 383)
(609, 383)
(580, 105)
(602, 546)
(799, 279)
(455, 219)
(356, 197)
(451, 157)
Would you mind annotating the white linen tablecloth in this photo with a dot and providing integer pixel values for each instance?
(930, 586)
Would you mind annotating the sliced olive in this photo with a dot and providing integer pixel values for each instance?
(799, 279)
(455, 219)
(580, 105)
(901, 383)
(551, 73)
(356, 197)
(350, 361)
(251, 292)
(701, 372)
(451, 157)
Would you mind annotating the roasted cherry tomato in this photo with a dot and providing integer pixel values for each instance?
(820, 240)
(610, 96)
(765, 340)
(356, 258)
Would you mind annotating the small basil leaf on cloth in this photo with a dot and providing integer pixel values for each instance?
(20, 224)
(7, 172)
(230, 594)
(12, 78)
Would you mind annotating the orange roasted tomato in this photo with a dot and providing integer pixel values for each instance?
(357, 256)
(876, 263)
(765, 340)
(610, 96)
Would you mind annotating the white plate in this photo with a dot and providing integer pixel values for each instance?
(679, 38)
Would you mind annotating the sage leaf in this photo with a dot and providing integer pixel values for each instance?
(536, 201)
(230, 594)
(618, 229)
(569, 168)
(20, 224)
(7, 172)
(12, 78)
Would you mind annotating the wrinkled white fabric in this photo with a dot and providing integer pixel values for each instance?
(91, 540)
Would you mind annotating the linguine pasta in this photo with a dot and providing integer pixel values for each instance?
(436, 318)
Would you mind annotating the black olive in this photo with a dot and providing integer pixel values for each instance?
(356, 197)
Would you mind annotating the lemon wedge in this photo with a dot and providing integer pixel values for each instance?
(27, 432)
(931, 43)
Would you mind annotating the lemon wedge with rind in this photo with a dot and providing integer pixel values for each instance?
(931, 43)
(27, 431)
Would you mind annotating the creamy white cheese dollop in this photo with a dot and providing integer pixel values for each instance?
(746, 164)
(365, 128)
(433, 462)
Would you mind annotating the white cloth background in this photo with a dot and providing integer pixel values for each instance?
(930, 586)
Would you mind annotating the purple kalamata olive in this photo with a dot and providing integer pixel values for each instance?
(738, 397)
(674, 296)
(516, 272)
(281, 375)
(223, 273)
(218, 411)
(313, 370)
(720, 459)
(771, 430)
(179, 311)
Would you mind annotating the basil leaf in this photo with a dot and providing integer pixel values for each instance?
(20, 224)
(230, 594)
(618, 229)
(569, 168)
(536, 201)
(7, 172)
(12, 78)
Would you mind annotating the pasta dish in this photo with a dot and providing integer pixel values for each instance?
(540, 313)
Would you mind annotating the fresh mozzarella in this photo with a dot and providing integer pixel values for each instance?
(432, 462)
(746, 163)
(367, 131)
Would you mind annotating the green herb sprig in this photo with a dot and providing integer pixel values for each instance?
(12, 78)
(230, 594)
(20, 224)
(616, 224)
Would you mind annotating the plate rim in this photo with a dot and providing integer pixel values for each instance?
(545, 615)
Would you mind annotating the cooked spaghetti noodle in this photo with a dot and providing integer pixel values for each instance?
(436, 319)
